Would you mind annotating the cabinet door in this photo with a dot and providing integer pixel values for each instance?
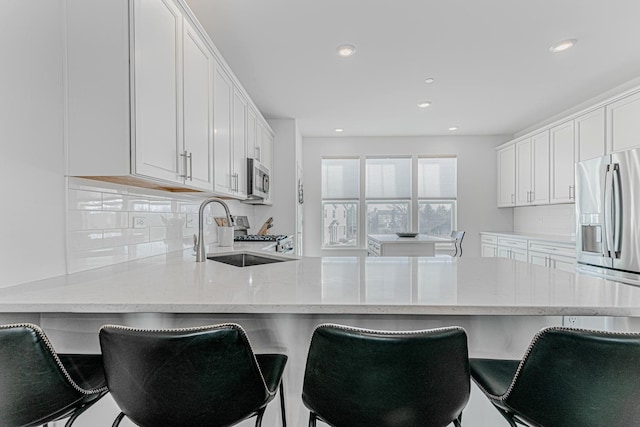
(519, 255)
(623, 123)
(538, 259)
(252, 135)
(157, 89)
(504, 252)
(523, 172)
(540, 168)
(590, 136)
(239, 164)
(222, 103)
(563, 263)
(562, 164)
(506, 176)
(488, 251)
(197, 111)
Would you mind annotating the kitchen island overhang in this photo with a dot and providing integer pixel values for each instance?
(175, 283)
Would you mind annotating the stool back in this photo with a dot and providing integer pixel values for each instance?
(360, 377)
(183, 377)
(573, 377)
(35, 387)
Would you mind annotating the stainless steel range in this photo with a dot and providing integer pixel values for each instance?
(283, 242)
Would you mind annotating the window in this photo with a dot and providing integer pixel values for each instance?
(437, 193)
(340, 201)
(388, 195)
(397, 197)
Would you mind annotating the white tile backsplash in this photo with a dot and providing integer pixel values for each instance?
(101, 216)
(549, 219)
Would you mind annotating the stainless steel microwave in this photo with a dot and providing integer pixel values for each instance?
(257, 180)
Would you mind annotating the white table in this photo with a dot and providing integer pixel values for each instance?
(392, 245)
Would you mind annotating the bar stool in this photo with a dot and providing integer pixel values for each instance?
(185, 377)
(568, 377)
(458, 236)
(361, 378)
(37, 385)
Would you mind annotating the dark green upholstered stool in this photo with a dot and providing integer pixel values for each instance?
(190, 377)
(567, 378)
(363, 378)
(37, 385)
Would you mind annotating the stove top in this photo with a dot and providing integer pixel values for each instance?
(258, 238)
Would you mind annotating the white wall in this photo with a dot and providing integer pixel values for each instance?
(477, 187)
(32, 184)
(550, 219)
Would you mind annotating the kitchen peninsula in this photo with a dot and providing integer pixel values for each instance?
(500, 302)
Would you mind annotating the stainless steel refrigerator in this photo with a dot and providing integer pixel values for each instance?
(608, 216)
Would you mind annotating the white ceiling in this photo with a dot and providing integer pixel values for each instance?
(490, 58)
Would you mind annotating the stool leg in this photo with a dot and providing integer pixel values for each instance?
(312, 419)
(119, 418)
(259, 417)
(284, 413)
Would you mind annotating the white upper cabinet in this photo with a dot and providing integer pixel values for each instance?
(507, 176)
(146, 91)
(523, 172)
(590, 136)
(222, 114)
(157, 51)
(532, 170)
(239, 137)
(544, 164)
(562, 159)
(197, 156)
(540, 168)
(623, 123)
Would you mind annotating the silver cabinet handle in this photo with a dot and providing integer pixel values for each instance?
(513, 199)
(572, 192)
(532, 193)
(190, 157)
(257, 153)
(184, 164)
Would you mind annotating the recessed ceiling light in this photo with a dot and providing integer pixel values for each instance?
(452, 128)
(339, 130)
(424, 104)
(429, 80)
(563, 45)
(346, 50)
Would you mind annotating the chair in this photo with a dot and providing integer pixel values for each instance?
(362, 378)
(199, 376)
(458, 236)
(568, 377)
(37, 385)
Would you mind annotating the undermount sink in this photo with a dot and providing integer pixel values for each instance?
(245, 260)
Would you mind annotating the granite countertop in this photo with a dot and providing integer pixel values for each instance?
(175, 283)
(570, 240)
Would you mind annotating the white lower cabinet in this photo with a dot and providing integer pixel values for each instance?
(488, 245)
(555, 255)
(558, 256)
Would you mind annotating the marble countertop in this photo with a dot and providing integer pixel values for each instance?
(570, 240)
(175, 283)
(420, 238)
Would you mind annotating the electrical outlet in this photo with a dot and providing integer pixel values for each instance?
(209, 219)
(139, 222)
(191, 221)
(571, 321)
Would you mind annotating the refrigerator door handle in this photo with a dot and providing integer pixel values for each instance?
(607, 207)
(617, 211)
